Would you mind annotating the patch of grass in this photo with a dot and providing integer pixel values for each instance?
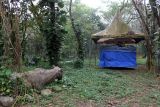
(92, 84)
(150, 99)
(141, 61)
(99, 85)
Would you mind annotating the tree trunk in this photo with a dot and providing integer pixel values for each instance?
(77, 32)
(12, 46)
(16, 44)
(147, 37)
(154, 10)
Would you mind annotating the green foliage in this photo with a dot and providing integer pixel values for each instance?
(5, 82)
(78, 63)
(80, 51)
(141, 61)
(60, 4)
(87, 22)
(9, 84)
(53, 29)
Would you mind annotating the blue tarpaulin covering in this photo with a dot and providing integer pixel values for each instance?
(115, 56)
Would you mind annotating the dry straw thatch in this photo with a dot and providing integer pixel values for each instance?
(117, 29)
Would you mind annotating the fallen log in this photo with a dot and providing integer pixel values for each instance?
(39, 77)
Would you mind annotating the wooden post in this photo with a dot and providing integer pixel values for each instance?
(90, 52)
(95, 54)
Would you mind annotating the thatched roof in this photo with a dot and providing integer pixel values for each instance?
(117, 29)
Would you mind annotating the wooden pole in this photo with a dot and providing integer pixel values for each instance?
(90, 52)
(95, 54)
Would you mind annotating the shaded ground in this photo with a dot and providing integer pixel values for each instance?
(148, 90)
(93, 87)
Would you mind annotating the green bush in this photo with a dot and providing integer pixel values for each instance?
(10, 85)
(5, 82)
(78, 63)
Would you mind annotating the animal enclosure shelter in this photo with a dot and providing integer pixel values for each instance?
(117, 44)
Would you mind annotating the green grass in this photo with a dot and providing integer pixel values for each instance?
(100, 86)
(141, 61)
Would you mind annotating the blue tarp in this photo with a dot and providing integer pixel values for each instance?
(115, 56)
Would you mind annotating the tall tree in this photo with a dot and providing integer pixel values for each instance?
(51, 20)
(10, 22)
(155, 30)
(89, 22)
(155, 11)
(78, 34)
(138, 7)
(24, 17)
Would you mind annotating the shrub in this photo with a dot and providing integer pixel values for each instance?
(5, 82)
(78, 63)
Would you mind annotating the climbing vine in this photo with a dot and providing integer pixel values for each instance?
(51, 27)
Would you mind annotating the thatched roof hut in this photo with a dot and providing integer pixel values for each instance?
(117, 31)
